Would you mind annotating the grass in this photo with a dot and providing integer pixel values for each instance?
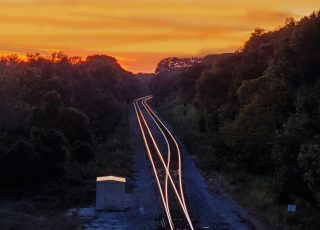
(256, 194)
(25, 215)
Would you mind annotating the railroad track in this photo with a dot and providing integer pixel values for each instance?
(166, 167)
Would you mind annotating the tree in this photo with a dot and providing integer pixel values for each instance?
(21, 166)
(309, 161)
(53, 147)
(82, 152)
(52, 104)
(75, 125)
(287, 176)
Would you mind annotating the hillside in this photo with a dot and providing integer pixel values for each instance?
(253, 116)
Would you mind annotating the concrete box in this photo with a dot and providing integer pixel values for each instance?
(110, 194)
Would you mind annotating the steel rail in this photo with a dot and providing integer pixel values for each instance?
(166, 169)
(136, 105)
(177, 148)
(168, 152)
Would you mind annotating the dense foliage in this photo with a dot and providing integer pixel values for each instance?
(255, 111)
(60, 120)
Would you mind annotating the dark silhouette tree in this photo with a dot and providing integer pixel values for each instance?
(21, 166)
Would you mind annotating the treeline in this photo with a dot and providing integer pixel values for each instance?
(256, 112)
(63, 121)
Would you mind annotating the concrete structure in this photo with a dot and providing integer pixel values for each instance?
(110, 194)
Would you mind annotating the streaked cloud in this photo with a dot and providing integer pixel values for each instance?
(139, 32)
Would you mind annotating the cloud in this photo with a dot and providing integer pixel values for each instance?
(142, 31)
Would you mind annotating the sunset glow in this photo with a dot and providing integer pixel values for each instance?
(141, 32)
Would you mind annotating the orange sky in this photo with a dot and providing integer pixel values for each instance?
(139, 32)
